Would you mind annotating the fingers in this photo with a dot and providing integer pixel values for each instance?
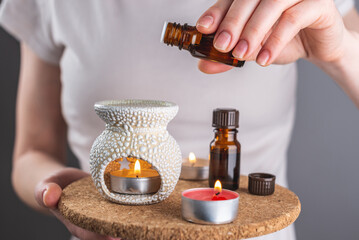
(48, 194)
(212, 67)
(48, 191)
(291, 22)
(258, 29)
(65, 176)
(233, 23)
(51, 195)
(262, 20)
(210, 19)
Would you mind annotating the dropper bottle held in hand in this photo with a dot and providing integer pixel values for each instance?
(199, 45)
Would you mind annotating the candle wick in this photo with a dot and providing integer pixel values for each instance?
(217, 193)
(192, 164)
(136, 176)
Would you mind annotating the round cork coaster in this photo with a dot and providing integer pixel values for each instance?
(257, 215)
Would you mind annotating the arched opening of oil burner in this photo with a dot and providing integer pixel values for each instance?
(132, 175)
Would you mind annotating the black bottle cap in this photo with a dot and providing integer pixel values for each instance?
(261, 184)
(225, 118)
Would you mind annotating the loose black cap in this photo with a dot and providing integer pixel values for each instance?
(225, 118)
(261, 184)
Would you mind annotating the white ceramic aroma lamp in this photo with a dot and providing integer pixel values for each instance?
(135, 130)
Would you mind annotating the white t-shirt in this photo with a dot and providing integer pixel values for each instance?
(111, 50)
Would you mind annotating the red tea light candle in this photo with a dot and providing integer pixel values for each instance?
(194, 168)
(210, 205)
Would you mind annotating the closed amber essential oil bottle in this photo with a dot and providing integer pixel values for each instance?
(225, 150)
(198, 44)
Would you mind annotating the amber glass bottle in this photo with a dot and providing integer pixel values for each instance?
(198, 44)
(225, 150)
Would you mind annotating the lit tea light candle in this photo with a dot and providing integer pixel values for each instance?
(136, 181)
(210, 205)
(194, 168)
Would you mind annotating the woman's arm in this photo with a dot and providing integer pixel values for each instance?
(39, 173)
(40, 141)
(345, 70)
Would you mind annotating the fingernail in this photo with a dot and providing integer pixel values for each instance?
(44, 194)
(263, 57)
(205, 21)
(241, 49)
(223, 40)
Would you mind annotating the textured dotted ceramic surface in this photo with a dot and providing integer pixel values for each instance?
(136, 128)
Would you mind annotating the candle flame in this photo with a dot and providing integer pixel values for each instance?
(192, 158)
(218, 187)
(137, 168)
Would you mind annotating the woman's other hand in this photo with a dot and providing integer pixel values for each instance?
(48, 193)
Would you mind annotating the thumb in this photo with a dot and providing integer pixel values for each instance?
(48, 191)
(50, 195)
(212, 67)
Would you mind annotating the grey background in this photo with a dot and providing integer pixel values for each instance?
(323, 158)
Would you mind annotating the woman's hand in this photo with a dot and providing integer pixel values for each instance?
(274, 31)
(48, 193)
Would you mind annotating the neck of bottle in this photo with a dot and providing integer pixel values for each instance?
(223, 134)
(181, 35)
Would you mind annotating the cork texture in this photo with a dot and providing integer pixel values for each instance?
(83, 205)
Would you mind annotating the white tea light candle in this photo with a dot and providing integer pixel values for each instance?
(136, 181)
(194, 168)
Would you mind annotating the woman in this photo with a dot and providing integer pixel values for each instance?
(74, 53)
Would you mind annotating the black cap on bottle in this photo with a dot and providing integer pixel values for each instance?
(225, 118)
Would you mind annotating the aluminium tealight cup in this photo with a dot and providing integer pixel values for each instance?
(197, 171)
(194, 173)
(135, 186)
(209, 212)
